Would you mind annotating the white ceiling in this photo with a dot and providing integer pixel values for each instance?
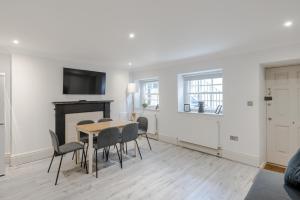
(166, 30)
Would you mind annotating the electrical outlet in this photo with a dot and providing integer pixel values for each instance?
(234, 138)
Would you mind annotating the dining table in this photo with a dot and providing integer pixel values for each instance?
(94, 129)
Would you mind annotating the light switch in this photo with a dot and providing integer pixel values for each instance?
(249, 103)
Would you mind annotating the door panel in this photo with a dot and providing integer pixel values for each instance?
(297, 107)
(2, 126)
(281, 78)
(280, 143)
(283, 113)
(281, 103)
(2, 111)
(298, 136)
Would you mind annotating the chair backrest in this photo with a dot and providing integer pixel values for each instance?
(143, 123)
(83, 122)
(104, 120)
(130, 132)
(108, 137)
(54, 141)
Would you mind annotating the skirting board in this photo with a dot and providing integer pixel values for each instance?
(196, 147)
(168, 139)
(22, 158)
(152, 136)
(200, 148)
(239, 157)
(7, 158)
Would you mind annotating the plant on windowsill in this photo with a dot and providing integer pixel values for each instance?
(145, 105)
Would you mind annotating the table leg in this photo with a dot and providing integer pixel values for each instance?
(90, 153)
(78, 153)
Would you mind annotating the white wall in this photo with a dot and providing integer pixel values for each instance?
(5, 60)
(36, 83)
(243, 81)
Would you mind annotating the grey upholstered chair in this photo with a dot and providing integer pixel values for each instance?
(105, 120)
(105, 151)
(129, 133)
(64, 149)
(143, 128)
(106, 138)
(84, 138)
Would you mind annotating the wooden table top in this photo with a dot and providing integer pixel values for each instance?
(97, 127)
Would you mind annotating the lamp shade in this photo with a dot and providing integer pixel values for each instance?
(131, 88)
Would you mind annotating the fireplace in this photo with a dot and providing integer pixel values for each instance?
(68, 107)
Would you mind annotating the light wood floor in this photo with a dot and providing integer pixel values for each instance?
(168, 172)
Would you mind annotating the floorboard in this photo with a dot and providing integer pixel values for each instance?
(167, 172)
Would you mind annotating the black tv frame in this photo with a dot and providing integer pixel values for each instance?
(102, 90)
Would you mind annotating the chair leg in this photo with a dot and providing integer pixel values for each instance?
(148, 142)
(58, 169)
(87, 148)
(103, 153)
(96, 164)
(138, 149)
(82, 157)
(121, 160)
(85, 165)
(115, 146)
(51, 163)
(123, 149)
(107, 153)
(126, 148)
(73, 155)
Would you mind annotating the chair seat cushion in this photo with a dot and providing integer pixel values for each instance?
(69, 147)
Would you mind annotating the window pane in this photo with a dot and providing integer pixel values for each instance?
(217, 88)
(193, 100)
(209, 90)
(218, 80)
(150, 93)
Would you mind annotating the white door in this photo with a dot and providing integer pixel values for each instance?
(2, 123)
(283, 113)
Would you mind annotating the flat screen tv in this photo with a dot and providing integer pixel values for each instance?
(83, 82)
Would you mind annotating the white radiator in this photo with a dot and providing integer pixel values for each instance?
(199, 130)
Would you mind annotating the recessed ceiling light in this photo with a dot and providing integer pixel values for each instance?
(131, 35)
(288, 24)
(16, 41)
(130, 64)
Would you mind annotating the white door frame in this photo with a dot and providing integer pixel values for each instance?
(2, 137)
(287, 122)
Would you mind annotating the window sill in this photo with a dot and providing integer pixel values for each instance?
(151, 109)
(197, 113)
(148, 110)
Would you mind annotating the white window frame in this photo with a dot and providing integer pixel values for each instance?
(211, 74)
(142, 86)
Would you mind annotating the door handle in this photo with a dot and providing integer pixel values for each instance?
(2, 124)
(270, 118)
(293, 122)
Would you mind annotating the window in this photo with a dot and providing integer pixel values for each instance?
(150, 93)
(206, 87)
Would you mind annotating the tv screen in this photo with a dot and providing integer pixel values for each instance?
(83, 82)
